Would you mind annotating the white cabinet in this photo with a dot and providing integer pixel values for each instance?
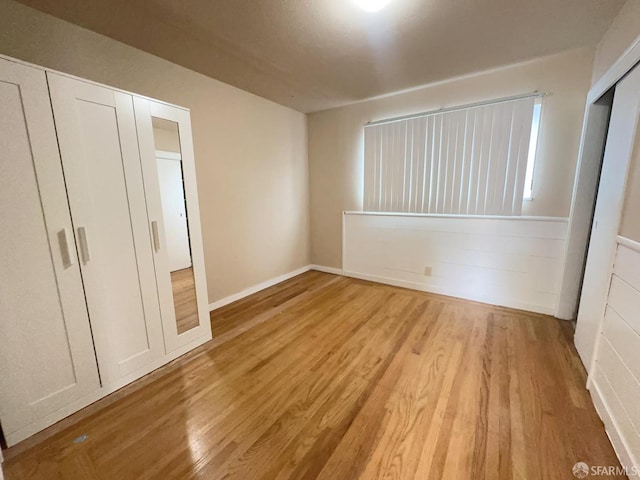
(47, 361)
(183, 294)
(88, 302)
(101, 162)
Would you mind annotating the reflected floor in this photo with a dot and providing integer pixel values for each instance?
(184, 299)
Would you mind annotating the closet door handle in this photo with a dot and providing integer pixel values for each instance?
(68, 258)
(84, 245)
(156, 236)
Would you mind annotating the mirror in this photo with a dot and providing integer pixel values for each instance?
(174, 218)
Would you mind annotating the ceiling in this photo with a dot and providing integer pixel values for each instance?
(314, 55)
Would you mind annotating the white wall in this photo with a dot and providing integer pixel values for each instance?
(514, 262)
(251, 154)
(336, 139)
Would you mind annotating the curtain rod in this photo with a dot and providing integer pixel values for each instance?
(460, 107)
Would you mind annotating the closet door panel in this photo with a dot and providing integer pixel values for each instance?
(46, 351)
(98, 143)
(622, 140)
(182, 285)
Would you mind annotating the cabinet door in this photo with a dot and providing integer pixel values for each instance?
(172, 202)
(47, 362)
(101, 162)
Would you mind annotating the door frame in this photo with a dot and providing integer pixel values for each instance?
(587, 181)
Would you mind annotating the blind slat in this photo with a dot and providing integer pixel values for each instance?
(469, 161)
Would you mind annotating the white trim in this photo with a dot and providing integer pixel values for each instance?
(558, 312)
(343, 250)
(166, 155)
(619, 69)
(627, 242)
(583, 197)
(444, 215)
(446, 292)
(322, 268)
(256, 288)
(620, 447)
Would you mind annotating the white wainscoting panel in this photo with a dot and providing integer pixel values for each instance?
(510, 261)
(616, 377)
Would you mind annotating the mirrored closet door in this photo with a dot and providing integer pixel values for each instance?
(166, 150)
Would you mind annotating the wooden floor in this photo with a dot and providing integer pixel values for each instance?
(341, 379)
(184, 299)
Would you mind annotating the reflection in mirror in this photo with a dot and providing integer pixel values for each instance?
(174, 217)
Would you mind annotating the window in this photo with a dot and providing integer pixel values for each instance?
(475, 160)
(533, 147)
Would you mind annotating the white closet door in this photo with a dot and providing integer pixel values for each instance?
(185, 313)
(47, 362)
(621, 139)
(101, 162)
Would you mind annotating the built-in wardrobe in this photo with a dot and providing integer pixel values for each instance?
(89, 299)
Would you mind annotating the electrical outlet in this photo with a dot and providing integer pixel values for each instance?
(427, 271)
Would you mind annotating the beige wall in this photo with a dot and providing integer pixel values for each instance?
(623, 31)
(336, 139)
(250, 153)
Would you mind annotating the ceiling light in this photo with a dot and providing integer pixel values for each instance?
(372, 5)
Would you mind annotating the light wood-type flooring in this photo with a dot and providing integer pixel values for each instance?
(184, 299)
(332, 378)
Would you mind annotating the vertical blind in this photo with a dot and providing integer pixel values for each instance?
(466, 161)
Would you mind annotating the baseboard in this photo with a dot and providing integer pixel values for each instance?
(256, 288)
(447, 292)
(322, 268)
(619, 445)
